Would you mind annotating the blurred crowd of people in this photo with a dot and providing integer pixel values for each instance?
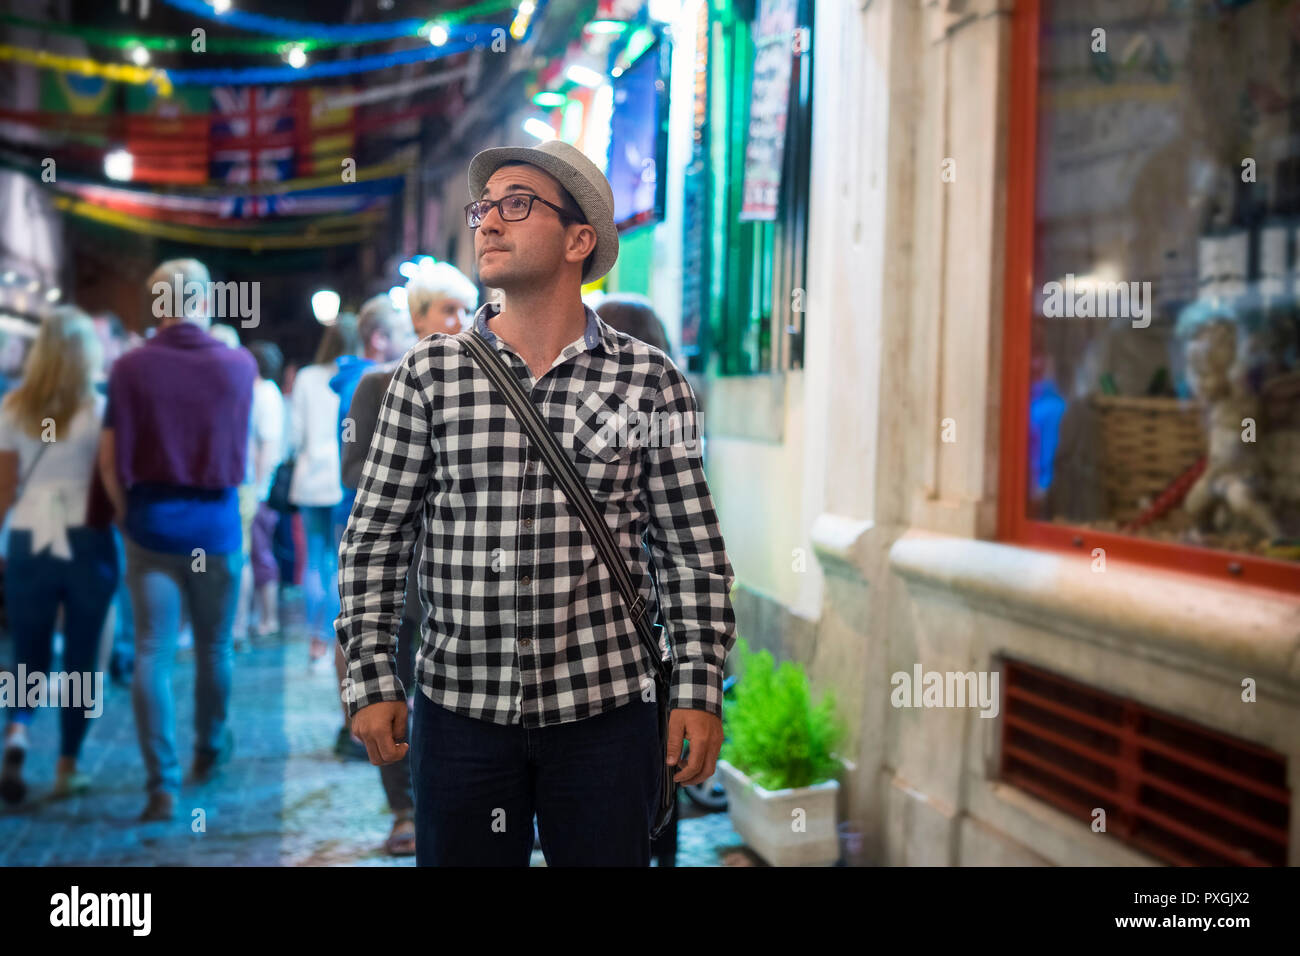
(181, 489)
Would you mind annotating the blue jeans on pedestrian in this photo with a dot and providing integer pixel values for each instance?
(36, 585)
(592, 784)
(123, 655)
(320, 579)
(159, 583)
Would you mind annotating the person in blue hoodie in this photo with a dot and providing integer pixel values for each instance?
(386, 334)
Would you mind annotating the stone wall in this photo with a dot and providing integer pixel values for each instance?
(905, 330)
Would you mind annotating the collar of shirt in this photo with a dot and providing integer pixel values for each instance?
(596, 333)
(184, 335)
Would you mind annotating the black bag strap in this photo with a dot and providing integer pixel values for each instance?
(27, 475)
(574, 488)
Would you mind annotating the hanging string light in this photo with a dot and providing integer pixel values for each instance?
(271, 75)
(258, 23)
(277, 45)
(519, 26)
(447, 36)
(99, 36)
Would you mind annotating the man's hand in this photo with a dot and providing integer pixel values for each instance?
(382, 728)
(704, 731)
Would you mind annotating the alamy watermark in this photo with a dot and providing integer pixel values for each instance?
(223, 300)
(946, 689)
(633, 427)
(1087, 298)
(79, 690)
(76, 909)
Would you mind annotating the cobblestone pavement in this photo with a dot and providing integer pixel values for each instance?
(284, 800)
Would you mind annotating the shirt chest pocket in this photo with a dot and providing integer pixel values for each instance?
(606, 446)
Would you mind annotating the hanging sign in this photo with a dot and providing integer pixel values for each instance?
(774, 51)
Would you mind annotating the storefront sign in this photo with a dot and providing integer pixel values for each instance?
(694, 198)
(775, 45)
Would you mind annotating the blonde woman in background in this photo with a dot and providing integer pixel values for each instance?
(49, 435)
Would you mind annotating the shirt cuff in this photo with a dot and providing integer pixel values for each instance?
(371, 681)
(697, 686)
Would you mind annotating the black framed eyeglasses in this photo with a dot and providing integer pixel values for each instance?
(513, 208)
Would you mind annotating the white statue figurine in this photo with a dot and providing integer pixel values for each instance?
(1233, 472)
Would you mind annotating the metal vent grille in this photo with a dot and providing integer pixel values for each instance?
(1183, 793)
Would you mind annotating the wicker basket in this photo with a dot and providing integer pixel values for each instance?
(1145, 444)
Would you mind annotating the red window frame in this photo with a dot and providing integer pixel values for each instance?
(1013, 524)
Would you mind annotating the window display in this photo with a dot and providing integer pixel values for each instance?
(1164, 377)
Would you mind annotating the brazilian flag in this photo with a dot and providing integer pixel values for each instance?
(76, 94)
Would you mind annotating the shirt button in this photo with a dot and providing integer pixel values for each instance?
(525, 580)
(528, 522)
(524, 642)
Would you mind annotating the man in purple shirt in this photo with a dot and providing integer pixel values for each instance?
(172, 456)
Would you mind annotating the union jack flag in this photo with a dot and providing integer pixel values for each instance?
(252, 207)
(252, 134)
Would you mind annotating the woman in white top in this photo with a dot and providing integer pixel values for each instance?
(316, 487)
(259, 587)
(49, 435)
(258, 583)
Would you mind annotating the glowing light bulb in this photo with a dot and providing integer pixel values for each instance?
(119, 165)
(325, 306)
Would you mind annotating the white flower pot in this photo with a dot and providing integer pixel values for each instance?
(771, 827)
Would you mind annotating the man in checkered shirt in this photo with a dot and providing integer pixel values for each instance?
(533, 685)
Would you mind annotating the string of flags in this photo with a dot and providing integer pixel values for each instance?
(118, 72)
(343, 231)
(277, 152)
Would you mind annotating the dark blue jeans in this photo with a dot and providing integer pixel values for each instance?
(35, 587)
(592, 784)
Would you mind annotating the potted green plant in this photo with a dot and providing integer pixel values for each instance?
(778, 763)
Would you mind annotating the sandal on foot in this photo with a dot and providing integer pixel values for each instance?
(70, 784)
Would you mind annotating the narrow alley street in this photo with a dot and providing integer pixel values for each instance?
(284, 800)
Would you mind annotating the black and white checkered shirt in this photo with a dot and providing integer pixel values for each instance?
(522, 622)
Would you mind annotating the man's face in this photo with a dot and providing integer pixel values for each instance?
(518, 254)
(443, 314)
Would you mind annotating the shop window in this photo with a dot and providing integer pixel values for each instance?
(1183, 793)
(758, 295)
(1152, 371)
